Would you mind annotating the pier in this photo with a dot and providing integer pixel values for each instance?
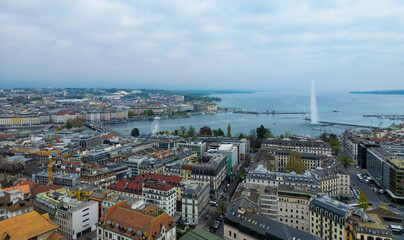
(344, 124)
(386, 116)
(267, 112)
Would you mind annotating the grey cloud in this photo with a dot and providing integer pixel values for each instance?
(344, 45)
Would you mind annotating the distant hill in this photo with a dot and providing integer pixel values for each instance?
(383, 92)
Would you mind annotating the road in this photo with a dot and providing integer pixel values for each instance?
(377, 200)
(224, 196)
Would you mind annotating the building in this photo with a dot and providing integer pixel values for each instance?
(96, 157)
(263, 177)
(300, 146)
(396, 183)
(198, 147)
(199, 234)
(282, 158)
(213, 169)
(241, 223)
(151, 166)
(29, 226)
(98, 177)
(91, 141)
(362, 225)
(195, 200)
(121, 171)
(14, 202)
(328, 217)
(76, 218)
(133, 163)
(294, 207)
(162, 195)
(62, 118)
(377, 166)
(350, 144)
(124, 223)
(328, 179)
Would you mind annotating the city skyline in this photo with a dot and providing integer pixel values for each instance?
(343, 46)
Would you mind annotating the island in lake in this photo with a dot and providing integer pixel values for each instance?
(382, 92)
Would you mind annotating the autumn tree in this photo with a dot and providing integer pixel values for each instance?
(206, 131)
(295, 163)
(362, 201)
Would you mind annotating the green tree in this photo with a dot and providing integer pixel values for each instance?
(131, 113)
(262, 132)
(222, 208)
(135, 132)
(362, 201)
(345, 160)
(220, 132)
(69, 124)
(240, 176)
(150, 112)
(281, 136)
(228, 130)
(191, 131)
(295, 163)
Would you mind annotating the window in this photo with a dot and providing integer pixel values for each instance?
(229, 233)
(234, 235)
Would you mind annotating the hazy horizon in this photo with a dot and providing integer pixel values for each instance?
(226, 45)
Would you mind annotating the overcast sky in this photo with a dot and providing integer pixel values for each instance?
(187, 44)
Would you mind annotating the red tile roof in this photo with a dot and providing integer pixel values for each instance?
(142, 224)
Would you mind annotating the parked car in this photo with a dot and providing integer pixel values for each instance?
(220, 218)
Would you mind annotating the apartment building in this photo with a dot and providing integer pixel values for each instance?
(195, 200)
(328, 217)
(162, 195)
(301, 146)
(282, 157)
(121, 222)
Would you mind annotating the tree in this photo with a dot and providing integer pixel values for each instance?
(220, 132)
(345, 160)
(228, 130)
(263, 132)
(69, 124)
(131, 113)
(183, 130)
(222, 208)
(362, 201)
(206, 131)
(150, 112)
(281, 136)
(295, 163)
(191, 131)
(135, 132)
(242, 135)
(240, 176)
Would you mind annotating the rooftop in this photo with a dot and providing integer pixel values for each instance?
(38, 224)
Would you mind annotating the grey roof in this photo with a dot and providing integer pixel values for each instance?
(336, 207)
(262, 173)
(249, 223)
